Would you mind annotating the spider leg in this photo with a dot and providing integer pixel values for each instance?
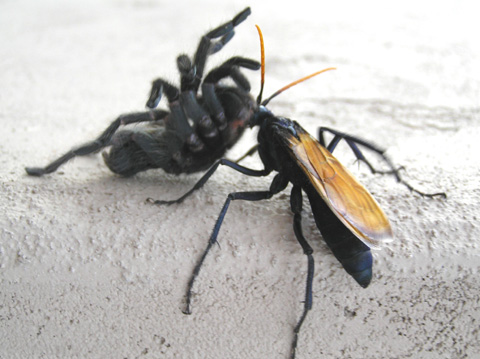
(206, 47)
(296, 206)
(279, 183)
(178, 121)
(208, 174)
(185, 106)
(353, 141)
(102, 141)
(199, 116)
(193, 110)
(230, 68)
(188, 73)
(159, 87)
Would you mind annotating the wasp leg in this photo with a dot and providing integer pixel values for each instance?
(250, 152)
(208, 174)
(102, 141)
(360, 157)
(340, 135)
(296, 206)
(279, 183)
(354, 141)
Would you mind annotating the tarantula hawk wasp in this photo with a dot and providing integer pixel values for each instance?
(197, 130)
(348, 217)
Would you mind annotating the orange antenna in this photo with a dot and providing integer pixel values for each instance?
(262, 81)
(262, 55)
(264, 103)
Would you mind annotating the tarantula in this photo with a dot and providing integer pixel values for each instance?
(197, 130)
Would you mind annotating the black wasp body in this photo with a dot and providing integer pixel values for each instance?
(281, 145)
(198, 129)
(348, 217)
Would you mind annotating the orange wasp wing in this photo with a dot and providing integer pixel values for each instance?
(347, 198)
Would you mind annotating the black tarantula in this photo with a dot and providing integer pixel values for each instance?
(196, 131)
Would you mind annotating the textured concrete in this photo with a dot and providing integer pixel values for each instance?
(88, 270)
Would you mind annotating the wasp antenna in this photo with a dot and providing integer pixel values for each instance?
(264, 103)
(262, 56)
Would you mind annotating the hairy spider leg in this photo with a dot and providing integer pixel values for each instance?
(352, 142)
(229, 68)
(184, 105)
(178, 120)
(200, 117)
(192, 74)
(154, 147)
(102, 141)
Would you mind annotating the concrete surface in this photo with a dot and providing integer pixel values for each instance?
(88, 270)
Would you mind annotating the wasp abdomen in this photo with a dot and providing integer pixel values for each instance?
(352, 253)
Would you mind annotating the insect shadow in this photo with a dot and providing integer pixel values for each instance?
(198, 128)
(348, 217)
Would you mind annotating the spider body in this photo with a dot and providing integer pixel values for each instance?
(198, 128)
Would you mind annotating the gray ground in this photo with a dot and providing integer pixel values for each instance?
(88, 270)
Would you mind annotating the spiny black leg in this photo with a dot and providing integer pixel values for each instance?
(102, 141)
(278, 184)
(196, 271)
(296, 206)
(208, 174)
(352, 143)
(345, 136)
(360, 157)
